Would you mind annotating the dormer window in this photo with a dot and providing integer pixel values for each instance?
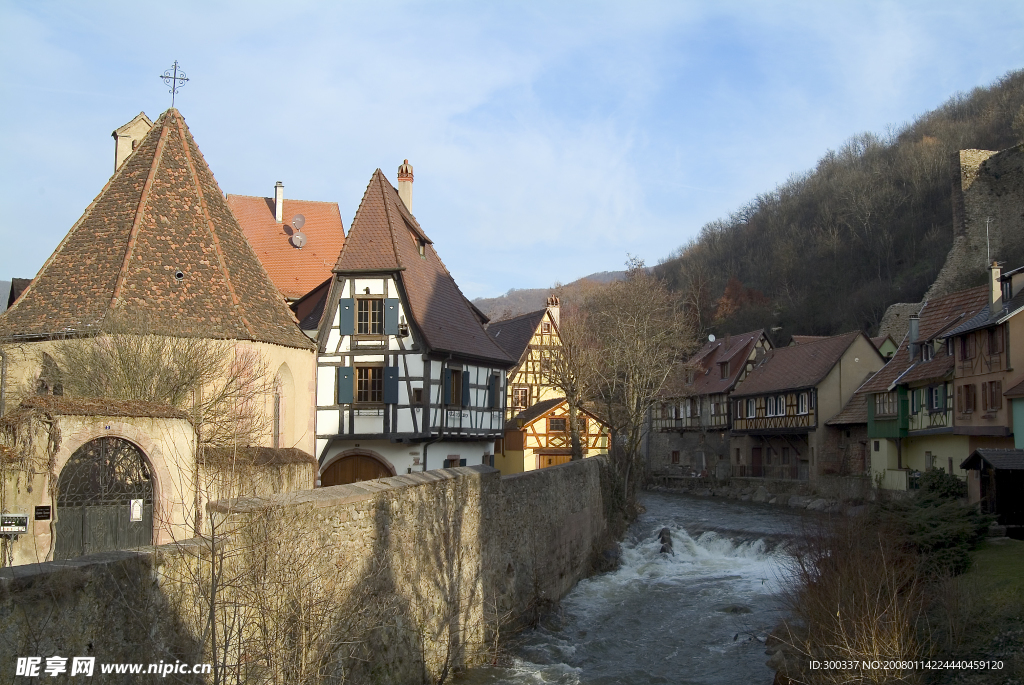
(689, 376)
(422, 247)
(927, 350)
(724, 366)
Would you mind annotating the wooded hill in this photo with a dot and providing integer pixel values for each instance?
(870, 225)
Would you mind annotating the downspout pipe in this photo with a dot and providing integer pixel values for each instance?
(3, 381)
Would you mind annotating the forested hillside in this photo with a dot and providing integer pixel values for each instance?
(870, 225)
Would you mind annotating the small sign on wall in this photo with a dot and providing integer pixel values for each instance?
(14, 523)
(136, 508)
(42, 513)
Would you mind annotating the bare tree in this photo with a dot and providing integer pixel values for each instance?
(640, 335)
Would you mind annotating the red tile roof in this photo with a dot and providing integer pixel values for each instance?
(160, 214)
(1015, 391)
(797, 366)
(705, 365)
(294, 271)
(855, 412)
(801, 339)
(385, 237)
(938, 317)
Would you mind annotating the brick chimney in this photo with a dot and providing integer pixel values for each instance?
(279, 202)
(555, 308)
(995, 289)
(405, 184)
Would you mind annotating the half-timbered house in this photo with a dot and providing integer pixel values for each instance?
(530, 339)
(691, 426)
(407, 378)
(781, 408)
(539, 437)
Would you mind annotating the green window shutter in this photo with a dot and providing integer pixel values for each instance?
(347, 315)
(390, 385)
(447, 386)
(465, 387)
(345, 384)
(942, 396)
(492, 392)
(391, 316)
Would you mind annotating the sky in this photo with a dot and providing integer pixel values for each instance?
(550, 140)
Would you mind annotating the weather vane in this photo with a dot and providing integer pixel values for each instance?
(175, 78)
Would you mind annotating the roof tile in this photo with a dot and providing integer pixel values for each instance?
(294, 271)
(160, 213)
(796, 366)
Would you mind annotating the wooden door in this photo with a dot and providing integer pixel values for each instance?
(352, 469)
(755, 462)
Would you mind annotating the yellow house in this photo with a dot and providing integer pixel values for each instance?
(539, 437)
(531, 339)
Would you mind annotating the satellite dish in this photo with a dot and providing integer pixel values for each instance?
(711, 338)
(298, 221)
(298, 239)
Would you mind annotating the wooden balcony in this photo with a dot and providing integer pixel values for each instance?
(790, 423)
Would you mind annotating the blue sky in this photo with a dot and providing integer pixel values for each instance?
(549, 140)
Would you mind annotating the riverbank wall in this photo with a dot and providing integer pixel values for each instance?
(400, 580)
(847, 494)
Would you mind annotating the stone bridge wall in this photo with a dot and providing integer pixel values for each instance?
(396, 580)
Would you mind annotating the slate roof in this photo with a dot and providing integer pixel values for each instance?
(707, 374)
(385, 237)
(1001, 459)
(855, 412)
(533, 412)
(294, 271)
(161, 212)
(938, 318)
(514, 335)
(796, 366)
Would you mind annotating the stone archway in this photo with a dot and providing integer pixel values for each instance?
(353, 466)
(104, 499)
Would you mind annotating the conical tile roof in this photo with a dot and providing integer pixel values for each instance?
(160, 239)
(385, 237)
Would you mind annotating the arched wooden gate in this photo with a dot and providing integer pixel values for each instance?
(104, 499)
(354, 468)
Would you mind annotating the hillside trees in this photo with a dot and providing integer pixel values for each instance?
(870, 225)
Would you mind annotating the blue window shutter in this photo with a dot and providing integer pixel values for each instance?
(344, 385)
(347, 315)
(465, 388)
(390, 385)
(447, 386)
(391, 316)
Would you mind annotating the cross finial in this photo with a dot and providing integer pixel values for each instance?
(175, 78)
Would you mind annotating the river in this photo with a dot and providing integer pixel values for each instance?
(699, 615)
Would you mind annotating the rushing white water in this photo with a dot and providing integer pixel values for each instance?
(699, 615)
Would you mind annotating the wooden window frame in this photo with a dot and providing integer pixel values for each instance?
(751, 408)
(564, 428)
(675, 456)
(887, 404)
(802, 404)
(368, 370)
(519, 391)
(370, 323)
(995, 341)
